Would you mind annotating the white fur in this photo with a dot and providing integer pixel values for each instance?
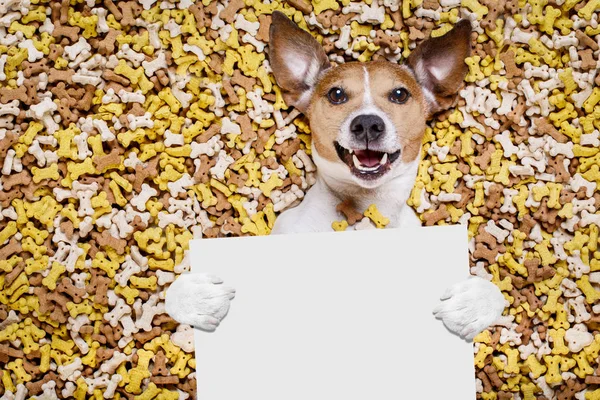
(198, 300)
(470, 306)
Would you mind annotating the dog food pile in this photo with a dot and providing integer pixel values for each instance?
(128, 128)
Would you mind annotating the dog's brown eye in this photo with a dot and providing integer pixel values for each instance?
(337, 95)
(399, 95)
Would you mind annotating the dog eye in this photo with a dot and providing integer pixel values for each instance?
(337, 95)
(399, 96)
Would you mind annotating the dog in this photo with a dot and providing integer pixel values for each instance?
(367, 122)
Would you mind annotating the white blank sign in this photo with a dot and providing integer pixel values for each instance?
(340, 315)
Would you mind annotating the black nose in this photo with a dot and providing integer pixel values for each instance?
(367, 127)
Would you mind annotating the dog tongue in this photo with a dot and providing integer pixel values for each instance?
(368, 158)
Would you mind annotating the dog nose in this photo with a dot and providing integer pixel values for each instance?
(367, 127)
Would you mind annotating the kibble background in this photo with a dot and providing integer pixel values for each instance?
(102, 190)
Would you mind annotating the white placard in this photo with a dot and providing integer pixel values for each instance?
(335, 316)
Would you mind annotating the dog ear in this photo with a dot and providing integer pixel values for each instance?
(297, 60)
(439, 65)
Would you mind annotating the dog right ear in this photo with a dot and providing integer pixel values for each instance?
(297, 60)
(439, 65)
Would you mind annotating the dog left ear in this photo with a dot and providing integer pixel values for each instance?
(439, 65)
(297, 60)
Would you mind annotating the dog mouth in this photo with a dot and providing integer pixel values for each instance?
(366, 163)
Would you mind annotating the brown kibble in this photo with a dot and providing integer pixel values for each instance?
(433, 217)
(568, 389)
(7, 352)
(537, 274)
(6, 143)
(141, 173)
(202, 20)
(209, 133)
(144, 336)
(20, 178)
(507, 396)
(485, 156)
(263, 30)
(398, 20)
(415, 34)
(492, 373)
(112, 76)
(587, 59)
(339, 20)
(383, 40)
(55, 75)
(263, 138)
(67, 286)
(246, 127)
(12, 247)
(495, 8)
(109, 161)
(216, 63)
(69, 32)
(525, 328)
(486, 238)
(347, 208)
(558, 168)
(231, 226)
(246, 82)
(532, 299)
(494, 199)
(485, 381)
(508, 59)
(189, 386)
(482, 252)
(302, 5)
(30, 69)
(160, 364)
(105, 239)
(231, 94)
(56, 51)
(592, 380)
(585, 40)
(35, 388)
(165, 380)
(130, 10)
(229, 13)
(7, 95)
(103, 354)
(46, 305)
(288, 148)
(203, 166)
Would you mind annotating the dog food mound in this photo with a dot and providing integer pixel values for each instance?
(128, 128)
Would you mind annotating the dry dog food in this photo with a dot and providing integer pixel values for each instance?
(128, 128)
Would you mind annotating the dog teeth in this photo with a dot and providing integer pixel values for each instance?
(356, 162)
(384, 159)
(351, 151)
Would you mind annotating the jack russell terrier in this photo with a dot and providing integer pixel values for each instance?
(367, 122)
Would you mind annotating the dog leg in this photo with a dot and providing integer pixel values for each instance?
(198, 300)
(470, 306)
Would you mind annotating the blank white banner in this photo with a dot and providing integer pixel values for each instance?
(335, 316)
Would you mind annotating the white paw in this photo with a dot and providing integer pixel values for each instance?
(198, 300)
(470, 306)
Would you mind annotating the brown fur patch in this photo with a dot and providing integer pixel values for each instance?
(408, 118)
(326, 118)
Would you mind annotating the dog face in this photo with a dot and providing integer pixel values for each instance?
(367, 119)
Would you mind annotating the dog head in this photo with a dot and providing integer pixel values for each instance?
(367, 119)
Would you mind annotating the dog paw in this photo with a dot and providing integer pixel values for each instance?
(470, 306)
(198, 300)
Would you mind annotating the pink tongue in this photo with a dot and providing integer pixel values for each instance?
(368, 158)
